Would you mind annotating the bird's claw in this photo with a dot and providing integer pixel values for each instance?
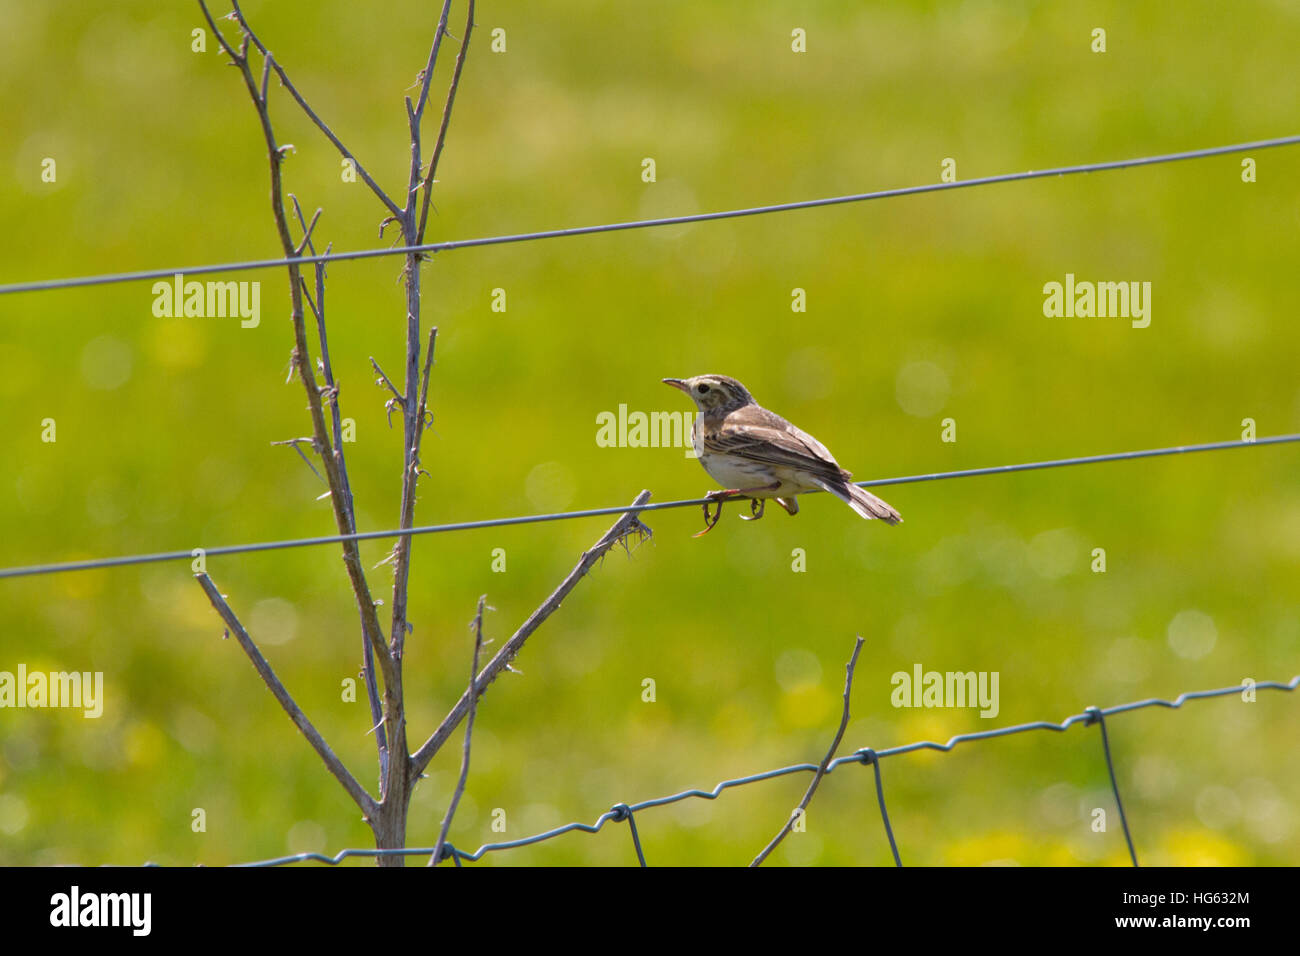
(756, 506)
(711, 518)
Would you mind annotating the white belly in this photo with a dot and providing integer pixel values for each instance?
(775, 481)
(731, 471)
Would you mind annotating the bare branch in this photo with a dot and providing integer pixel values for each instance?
(267, 62)
(413, 422)
(331, 390)
(477, 626)
(424, 389)
(294, 443)
(446, 119)
(426, 77)
(821, 769)
(306, 239)
(627, 524)
(386, 381)
(340, 492)
(340, 772)
(395, 764)
(220, 37)
(414, 115)
(311, 114)
(412, 432)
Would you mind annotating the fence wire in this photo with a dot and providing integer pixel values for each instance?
(46, 285)
(621, 812)
(189, 553)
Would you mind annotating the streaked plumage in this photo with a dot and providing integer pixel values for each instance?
(757, 454)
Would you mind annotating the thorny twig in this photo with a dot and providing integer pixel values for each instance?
(424, 415)
(427, 186)
(628, 523)
(340, 495)
(386, 381)
(340, 772)
(477, 627)
(294, 443)
(330, 392)
(249, 35)
(395, 762)
(821, 769)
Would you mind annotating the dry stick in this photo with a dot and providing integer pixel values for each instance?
(349, 510)
(371, 628)
(477, 625)
(349, 782)
(413, 422)
(821, 770)
(446, 119)
(390, 824)
(391, 831)
(428, 368)
(238, 17)
(307, 227)
(426, 77)
(627, 524)
(385, 380)
(294, 443)
(412, 431)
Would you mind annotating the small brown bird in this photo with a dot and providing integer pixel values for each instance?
(757, 454)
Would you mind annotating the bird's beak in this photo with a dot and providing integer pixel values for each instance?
(677, 383)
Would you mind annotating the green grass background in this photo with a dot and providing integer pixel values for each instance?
(164, 425)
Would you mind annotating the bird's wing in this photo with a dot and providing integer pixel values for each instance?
(814, 446)
(774, 445)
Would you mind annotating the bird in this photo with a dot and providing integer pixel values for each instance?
(757, 454)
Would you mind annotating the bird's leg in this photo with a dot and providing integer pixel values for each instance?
(756, 505)
(711, 519)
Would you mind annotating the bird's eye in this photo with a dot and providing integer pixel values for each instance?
(702, 389)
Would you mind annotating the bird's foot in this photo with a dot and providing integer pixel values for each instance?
(756, 506)
(712, 517)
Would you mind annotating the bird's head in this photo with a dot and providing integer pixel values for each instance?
(713, 392)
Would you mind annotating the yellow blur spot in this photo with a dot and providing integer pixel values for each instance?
(999, 848)
(1200, 848)
(808, 705)
(1052, 854)
(80, 585)
(19, 370)
(189, 605)
(734, 725)
(144, 744)
(177, 343)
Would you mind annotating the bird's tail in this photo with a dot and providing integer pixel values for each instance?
(863, 501)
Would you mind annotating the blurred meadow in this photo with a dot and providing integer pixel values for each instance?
(919, 309)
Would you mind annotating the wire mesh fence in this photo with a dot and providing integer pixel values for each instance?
(625, 812)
